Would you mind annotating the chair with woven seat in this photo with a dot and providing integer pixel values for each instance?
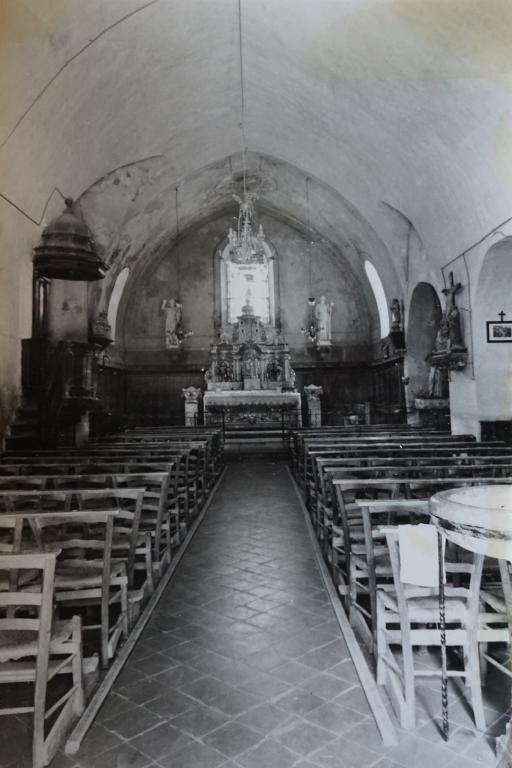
(35, 649)
(87, 575)
(408, 618)
(347, 532)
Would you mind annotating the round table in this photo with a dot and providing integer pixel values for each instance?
(479, 519)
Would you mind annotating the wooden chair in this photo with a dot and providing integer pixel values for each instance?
(87, 575)
(370, 563)
(408, 617)
(496, 617)
(130, 545)
(34, 649)
(347, 533)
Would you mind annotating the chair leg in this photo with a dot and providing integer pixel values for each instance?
(408, 713)
(78, 698)
(124, 610)
(381, 642)
(472, 666)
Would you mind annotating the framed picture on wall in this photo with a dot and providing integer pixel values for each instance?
(499, 331)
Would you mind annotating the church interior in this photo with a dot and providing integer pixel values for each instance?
(255, 383)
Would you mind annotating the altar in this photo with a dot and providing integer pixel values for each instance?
(252, 407)
(250, 379)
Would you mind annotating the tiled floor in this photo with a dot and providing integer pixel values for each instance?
(243, 663)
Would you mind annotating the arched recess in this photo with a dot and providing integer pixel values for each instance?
(380, 298)
(424, 318)
(493, 360)
(115, 298)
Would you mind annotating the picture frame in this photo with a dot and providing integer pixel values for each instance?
(499, 331)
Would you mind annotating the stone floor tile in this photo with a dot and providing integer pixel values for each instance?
(236, 702)
(200, 720)
(303, 737)
(293, 672)
(354, 698)
(336, 718)
(232, 739)
(121, 756)
(268, 658)
(268, 753)
(325, 685)
(298, 701)
(113, 705)
(98, 740)
(129, 674)
(143, 691)
(346, 670)
(161, 741)
(171, 704)
(264, 718)
(130, 725)
(63, 761)
(195, 755)
(206, 689)
(347, 753)
(157, 662)
(182, 674)
(420, 753)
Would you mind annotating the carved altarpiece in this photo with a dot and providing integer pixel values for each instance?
(249, 356)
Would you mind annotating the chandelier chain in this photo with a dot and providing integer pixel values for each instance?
(242, 92)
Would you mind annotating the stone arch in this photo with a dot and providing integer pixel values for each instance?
(115, 299)
(424, 317)
(379, 295)
(493, 361)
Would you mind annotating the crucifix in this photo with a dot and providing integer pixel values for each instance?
(501, 315)
(451, 292)
(452, 316)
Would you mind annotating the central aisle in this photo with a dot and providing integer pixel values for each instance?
(243, 662)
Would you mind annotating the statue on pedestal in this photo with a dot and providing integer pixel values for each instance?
(172, 310)
(452, 315)
(396, 315)
(323, 311)
(438, 376)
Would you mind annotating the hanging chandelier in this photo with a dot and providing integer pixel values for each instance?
(244, 246)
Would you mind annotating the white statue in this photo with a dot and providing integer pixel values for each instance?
(323, 311)
(172, 310)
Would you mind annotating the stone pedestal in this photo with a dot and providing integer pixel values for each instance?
(191, 396)
(312, 394)
(432, 412)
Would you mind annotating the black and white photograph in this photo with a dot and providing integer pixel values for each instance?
(255, 383)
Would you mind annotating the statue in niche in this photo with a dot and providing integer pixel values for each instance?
(172, 310)
(225, 371)
(273, 370)
(396, 315)
(438, 376)
(323, 311)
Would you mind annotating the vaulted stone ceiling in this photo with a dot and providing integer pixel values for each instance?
(368, 107)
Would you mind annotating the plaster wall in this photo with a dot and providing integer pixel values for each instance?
(189, 270)
(17, 236)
